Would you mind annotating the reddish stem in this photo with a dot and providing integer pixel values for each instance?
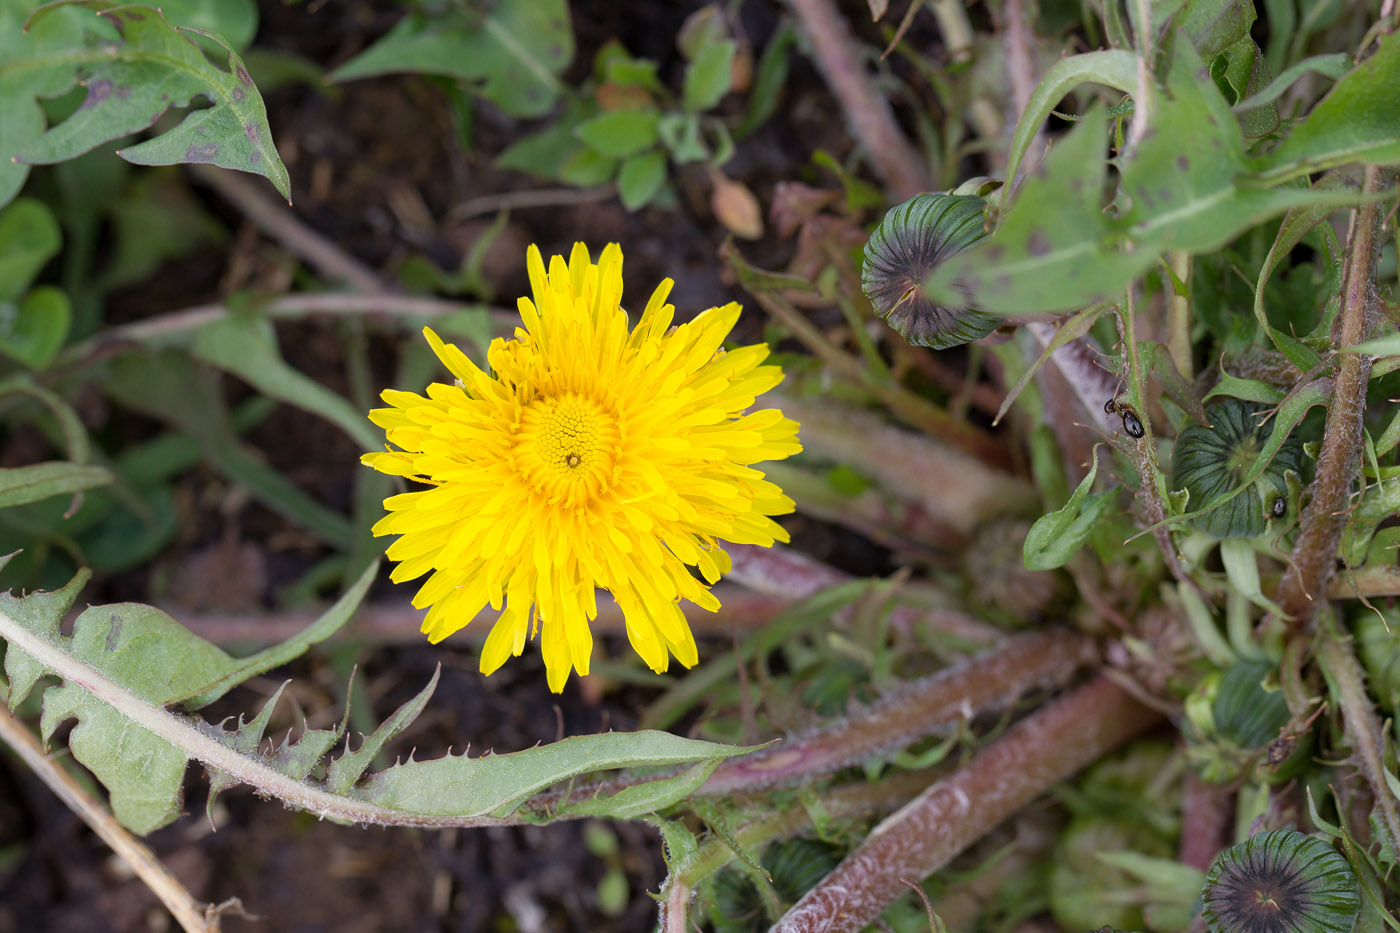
(930, 830)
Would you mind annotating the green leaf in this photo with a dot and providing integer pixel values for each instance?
(343, 772)
(34, 330)
(167, 386)
(641, 178)
(29, 238)
(618, 134)
(1380, 346)
(159, 661)
(1054, 538)
(639, 800)
(246, 345)
(511, 56)
(235, 20)
(710, 76)
(769, 80)
(1215, 25)
(1330, 66)
(1188, 184)
(131, 82)
(1116, 69)
(19, 485)
(1358, 121)
(495, 785)
(542, 153)
(586, 168)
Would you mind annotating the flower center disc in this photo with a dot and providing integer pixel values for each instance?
(565, 448)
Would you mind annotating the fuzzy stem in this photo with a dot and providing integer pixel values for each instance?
(1347, 683)
(1313, 563)
(212, 753)
(193, 916)
(930, 830)
(991, 680)
(872, 121)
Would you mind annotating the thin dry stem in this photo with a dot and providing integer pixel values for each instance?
(930, 830)
(1313, 562)
(867, 111)
(192, 915)
(278, 222)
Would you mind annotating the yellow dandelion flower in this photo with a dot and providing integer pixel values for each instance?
(590, 456)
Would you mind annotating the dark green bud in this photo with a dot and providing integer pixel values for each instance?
(1281, 882)
(912, 240)
(1211, 462)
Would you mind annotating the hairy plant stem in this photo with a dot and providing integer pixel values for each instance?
(1313, 563)
(989, 681)
(214, 754)
(867, 110)
(926, 833)
(192, 915)
(1347, 684)
(851, 801)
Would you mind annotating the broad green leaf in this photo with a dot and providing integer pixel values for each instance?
(1358, 121)
(41, 613)
(246, 345)
(586, 168)
(618, 134)
(1054, 538)
(1381, 346)
(29, 238)
(1185, 188)
(1215, 25)
(512, 55)
(19, 485)
(158, 660)
(709, 77)
(33, 330)
(495, 785)
(131, 82)
(640, 178)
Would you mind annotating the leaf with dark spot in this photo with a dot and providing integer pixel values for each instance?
(141, 66)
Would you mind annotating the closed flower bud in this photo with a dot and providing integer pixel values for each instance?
(1283, 882)
(912, 240)
(1209, 462)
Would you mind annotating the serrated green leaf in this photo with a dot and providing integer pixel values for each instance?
(618, 134)
(512, 56)
(246, 345)
(19, 485)
(343, 772)
(160, 662)
(495, 785)
(1358, 121)
(34, 329)
(640, 178)
(1054, 538)
(1331, 66)
(710, 76)
(29, 238)
(131, 82)
(41, 613)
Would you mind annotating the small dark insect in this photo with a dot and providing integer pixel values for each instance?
(573, 460)
(1280, 507)
(1131, 424)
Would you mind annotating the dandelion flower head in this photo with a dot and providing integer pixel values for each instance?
(589, 456)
